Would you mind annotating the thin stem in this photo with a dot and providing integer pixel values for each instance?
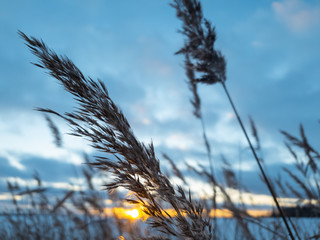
(254, 221)
(206, 142)
(258, 162)
(204, 135)
(294, 228)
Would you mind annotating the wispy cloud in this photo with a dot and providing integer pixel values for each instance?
(297, 15)
(27, 134)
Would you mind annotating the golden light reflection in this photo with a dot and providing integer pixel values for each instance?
(225, 213)
(137, 213)
(259, 213)
(220, 213)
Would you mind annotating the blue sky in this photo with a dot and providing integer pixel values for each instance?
(272, 51)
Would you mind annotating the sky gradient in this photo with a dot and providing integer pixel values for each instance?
(272, 52)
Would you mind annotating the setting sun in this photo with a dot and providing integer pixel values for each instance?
(134, 213)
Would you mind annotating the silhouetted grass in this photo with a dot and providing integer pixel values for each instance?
(102, 123)
(136, 168)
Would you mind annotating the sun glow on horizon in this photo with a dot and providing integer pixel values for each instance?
(125, 213)
(134, 213)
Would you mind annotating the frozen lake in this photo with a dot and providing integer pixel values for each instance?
(230, 229)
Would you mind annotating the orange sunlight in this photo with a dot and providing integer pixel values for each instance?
(225, 213)
(137, 213)
(134, 213)
(125, 213)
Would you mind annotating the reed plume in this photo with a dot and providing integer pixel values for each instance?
(209, 66)
(136, 168)
(134, 165)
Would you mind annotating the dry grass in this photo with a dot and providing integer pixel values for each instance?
(38, 216)
(100, 121)
(135, 167)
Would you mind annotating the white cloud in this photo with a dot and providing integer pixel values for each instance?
(280, 71)
(27, 134)
(157, 67)
(226, 130)
(296, 14)
(163, 103)
(205, 190)
(180, 141)
(257, 43)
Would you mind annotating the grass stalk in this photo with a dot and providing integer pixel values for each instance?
(274, 196)
(134, 166)
(197, 112)
(214, 198)
(206, 65)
